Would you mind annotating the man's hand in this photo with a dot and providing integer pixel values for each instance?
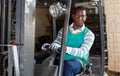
(45, 46)
(65, 48)
(59, 49)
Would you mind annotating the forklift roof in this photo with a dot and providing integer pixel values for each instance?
(63, 1)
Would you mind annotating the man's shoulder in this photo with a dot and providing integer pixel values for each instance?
(90, 33)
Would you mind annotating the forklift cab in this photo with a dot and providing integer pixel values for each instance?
(17, 28)
(47, 68)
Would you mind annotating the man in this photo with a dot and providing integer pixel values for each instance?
(78, 43)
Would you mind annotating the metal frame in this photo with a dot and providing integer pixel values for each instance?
(19, 31)
(5, 26)
(29, 37)
(25, 33)
(66, 23)
(102, 38)
(100, 12)
(54, 27)
(13, 58)
(3, 20)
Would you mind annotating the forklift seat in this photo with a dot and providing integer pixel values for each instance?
(50, 68)
(47, 68)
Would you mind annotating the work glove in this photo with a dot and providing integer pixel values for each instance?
(45, 46)
(59, 50)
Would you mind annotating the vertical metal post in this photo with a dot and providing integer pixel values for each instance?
(8, 39)
(13, 56)
(16, 59)
(18, 21)
(100, 10)
(54, 27)
(19, 31)
(0, 12)
(25, 34)
(2, 23)
(10, 62)
(65, 29)
(9, 21)
(29, 37)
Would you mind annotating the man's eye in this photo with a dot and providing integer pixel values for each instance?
(79, 16)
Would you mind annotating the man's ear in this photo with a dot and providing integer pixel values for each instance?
(85, 18)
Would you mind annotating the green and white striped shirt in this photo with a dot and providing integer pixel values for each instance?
(81, 51)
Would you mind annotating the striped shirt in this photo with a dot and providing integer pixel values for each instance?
(81, 51)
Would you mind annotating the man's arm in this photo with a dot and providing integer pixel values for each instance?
(85, 47)
(57, 42)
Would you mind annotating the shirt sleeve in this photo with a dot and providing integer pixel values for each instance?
(85, 47)
(57, 42)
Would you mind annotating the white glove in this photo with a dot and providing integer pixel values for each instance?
(45, 46)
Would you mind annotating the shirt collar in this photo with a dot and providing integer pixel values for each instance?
(78, 30)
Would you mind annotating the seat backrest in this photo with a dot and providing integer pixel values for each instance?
(47, 68)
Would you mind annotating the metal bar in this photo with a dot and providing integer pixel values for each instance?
(3, 23)
(20, 5)
(3, 65)
(65, 30)
(16, 60)
(18, 19)
(10, 65)
(10, 62)
(22, 21)
(12, 57)
(9, 22)
(0, 23)
(6, 45)
(9, 44)
(54, 27)
(21, 39)
(29, 35)
(100, 10)
(0, 17)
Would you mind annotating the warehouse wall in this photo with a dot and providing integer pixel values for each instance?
(112, 12)
(43, 23)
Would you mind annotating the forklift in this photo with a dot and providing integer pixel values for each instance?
(21, 13)
(56, 9)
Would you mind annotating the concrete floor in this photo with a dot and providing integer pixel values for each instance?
(111, 73)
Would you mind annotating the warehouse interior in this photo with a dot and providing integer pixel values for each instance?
(27, 24)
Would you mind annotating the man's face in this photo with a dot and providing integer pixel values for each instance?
(79, 17)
